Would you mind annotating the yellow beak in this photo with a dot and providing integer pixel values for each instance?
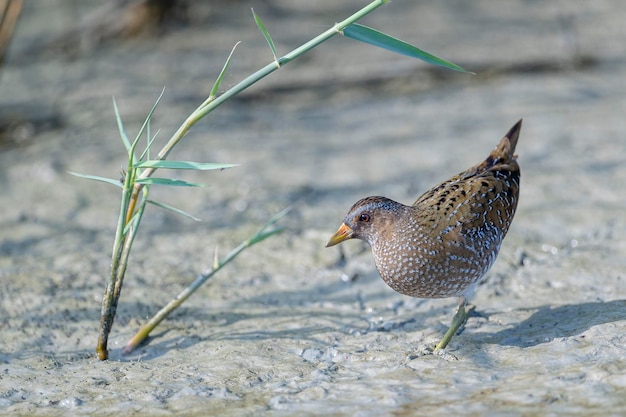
(344, 233)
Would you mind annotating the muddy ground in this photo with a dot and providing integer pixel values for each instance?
(288, 329)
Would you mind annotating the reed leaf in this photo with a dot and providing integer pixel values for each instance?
(174, 209)
(382, 40)
(197, 166)
(167, 181)
(266, 34)
(117, 183)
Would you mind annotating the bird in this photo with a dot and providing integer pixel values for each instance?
(443, 244)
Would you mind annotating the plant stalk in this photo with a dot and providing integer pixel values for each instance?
(266, 231)
(145, 330)
(123, 243)
(204, 110)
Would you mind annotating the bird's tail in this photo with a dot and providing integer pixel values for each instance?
(501, 158)
(505, 151)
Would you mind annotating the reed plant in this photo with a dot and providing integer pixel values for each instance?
(142, 164)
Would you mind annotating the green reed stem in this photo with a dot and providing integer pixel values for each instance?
(131, 189)
(266, 231)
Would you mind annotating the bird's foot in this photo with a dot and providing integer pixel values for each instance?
(457, 321)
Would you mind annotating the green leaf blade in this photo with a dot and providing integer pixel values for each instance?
(373, 37)
(174, 209)
(147, 120)
(190, 165)
(167, 181)
(218, 81)
(120, 126)
(146, 152)
(269, 228)
(111, 181)
(266, 34)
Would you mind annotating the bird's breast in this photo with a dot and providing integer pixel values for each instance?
(424, 266)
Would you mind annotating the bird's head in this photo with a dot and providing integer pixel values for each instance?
(369, 219)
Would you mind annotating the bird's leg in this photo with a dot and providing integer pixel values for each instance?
(457, 321)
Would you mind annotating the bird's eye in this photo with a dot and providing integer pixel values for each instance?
(364, 217)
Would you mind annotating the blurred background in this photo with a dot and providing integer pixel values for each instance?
(291, 323)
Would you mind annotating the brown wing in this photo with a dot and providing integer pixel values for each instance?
(478, 204)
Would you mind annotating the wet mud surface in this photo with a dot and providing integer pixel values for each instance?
(289, 329)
